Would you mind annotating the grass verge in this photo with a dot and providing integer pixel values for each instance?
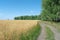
(55, 24)
(50, 34)
(31, 34)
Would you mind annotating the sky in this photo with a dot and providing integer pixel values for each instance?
(13, 8)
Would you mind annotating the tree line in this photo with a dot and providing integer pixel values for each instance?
(36, 17)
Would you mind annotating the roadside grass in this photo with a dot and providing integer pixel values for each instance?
(57, 26)
(54, 24)
(31, 34)
(49, 34)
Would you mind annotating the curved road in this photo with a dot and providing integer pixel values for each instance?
(42, 36)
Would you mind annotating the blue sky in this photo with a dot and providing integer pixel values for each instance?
(11, 8)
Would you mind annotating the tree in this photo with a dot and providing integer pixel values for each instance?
(51, 10)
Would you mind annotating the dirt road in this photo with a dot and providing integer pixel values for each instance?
(42, 36)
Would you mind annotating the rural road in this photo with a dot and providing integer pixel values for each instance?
(42, 36)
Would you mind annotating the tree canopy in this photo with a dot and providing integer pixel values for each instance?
(51, 10)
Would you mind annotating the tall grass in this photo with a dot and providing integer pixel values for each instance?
(31, 34)
(19, 30)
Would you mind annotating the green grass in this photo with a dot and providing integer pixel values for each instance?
(31, 34)
(49, 34)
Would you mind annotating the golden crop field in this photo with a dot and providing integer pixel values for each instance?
(8, 28)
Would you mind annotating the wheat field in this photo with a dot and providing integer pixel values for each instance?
(10, 29)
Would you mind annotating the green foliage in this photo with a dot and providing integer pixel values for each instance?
(51, 10)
